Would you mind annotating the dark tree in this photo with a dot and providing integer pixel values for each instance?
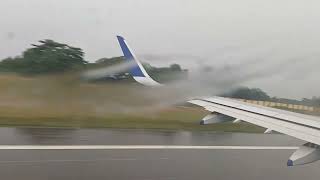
(247, 93)
(47, 57)
(175, 67)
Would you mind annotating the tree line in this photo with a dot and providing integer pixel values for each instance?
(50, 57)
(46, 57)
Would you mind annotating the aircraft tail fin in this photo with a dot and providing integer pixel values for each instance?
(137, 71)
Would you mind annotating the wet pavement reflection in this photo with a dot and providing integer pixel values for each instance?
(137, 137)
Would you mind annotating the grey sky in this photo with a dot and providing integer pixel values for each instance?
(269, 33)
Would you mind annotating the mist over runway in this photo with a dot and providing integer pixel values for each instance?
(161, 164)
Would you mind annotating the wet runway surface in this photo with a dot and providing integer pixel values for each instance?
(52, 136)
(147, 164)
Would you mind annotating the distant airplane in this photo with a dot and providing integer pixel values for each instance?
(300, 126)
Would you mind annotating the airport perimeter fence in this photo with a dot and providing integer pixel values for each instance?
(283, 105)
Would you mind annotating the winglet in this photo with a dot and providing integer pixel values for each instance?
(137, 71)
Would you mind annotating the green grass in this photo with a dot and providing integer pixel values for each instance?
(172, 120)
(167, 120)
(59, 101)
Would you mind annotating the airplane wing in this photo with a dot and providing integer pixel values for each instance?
(297, 125)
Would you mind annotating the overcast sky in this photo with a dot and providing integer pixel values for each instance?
(278, 38)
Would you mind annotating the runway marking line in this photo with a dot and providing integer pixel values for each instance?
(140, 147)
(76, 160)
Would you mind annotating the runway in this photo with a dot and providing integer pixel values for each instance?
(37, 154)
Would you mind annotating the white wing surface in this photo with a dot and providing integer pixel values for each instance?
(297, 125)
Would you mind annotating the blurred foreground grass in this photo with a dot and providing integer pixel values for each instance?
(174, 119)
(55, 101)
